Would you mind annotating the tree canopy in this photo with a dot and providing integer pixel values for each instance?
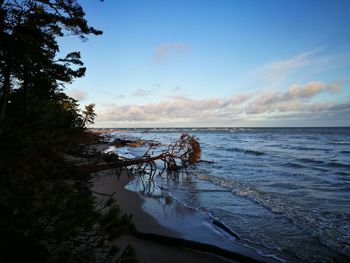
(31, 73)
(45, 215)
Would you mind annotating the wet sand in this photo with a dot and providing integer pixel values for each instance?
(165, 216)
(147, 251)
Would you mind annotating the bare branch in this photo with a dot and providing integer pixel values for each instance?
(178, 156)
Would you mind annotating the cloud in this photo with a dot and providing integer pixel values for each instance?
(142, 93)
(277, 71)
(164, 51)
(77, 94)
(291, 100)
(321, 114)
(170, 109)
(309, 90)
(298, 100)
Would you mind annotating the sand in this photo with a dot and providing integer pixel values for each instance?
(167, 217)
(154, 213)
(147, 251)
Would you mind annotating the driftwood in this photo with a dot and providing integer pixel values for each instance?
(178, 156)
(122, 163)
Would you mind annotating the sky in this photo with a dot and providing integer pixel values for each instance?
(217, 63)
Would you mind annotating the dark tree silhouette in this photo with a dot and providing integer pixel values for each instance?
(89, 114)
(46, 216)
(28, 49)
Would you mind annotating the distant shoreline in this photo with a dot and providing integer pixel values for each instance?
(121, 129)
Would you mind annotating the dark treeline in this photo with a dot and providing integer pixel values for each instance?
(46, 216)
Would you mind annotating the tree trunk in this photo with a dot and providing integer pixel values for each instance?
(90, 168)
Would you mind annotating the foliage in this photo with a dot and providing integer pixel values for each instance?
(191, 148)
(50, 217)
(89, 114)
(30, 71)
(45, 215)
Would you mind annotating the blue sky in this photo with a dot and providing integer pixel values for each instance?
(216, 63)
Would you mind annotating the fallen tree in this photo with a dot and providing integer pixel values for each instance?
(177, 157)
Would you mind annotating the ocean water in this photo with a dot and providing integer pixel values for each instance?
(284, 191)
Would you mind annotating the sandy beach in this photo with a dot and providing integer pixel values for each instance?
(147, 251)
(167, 217)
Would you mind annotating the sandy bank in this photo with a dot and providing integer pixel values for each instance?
(148, 251)
(169, 218)
(156, 213)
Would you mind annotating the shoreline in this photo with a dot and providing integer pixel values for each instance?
(147, 251)
(259, 195)
(169, 218)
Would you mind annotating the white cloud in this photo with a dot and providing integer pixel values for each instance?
(297, 99)
(292, 100)
(309, 90)
(274, 73)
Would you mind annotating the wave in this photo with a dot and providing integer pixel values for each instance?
(341, 173)
(332, 163)
(247, 151)
(322, 225)
(340, 142)
(336, 164)
(294, 165)
(227, 230)
(304, 148)
(309, 160)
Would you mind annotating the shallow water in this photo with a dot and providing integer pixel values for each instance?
(284, 191)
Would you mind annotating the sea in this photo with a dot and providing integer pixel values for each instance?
(284, 191)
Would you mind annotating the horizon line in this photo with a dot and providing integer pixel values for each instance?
(223, 127)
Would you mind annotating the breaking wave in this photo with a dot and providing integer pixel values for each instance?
(332, 229)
